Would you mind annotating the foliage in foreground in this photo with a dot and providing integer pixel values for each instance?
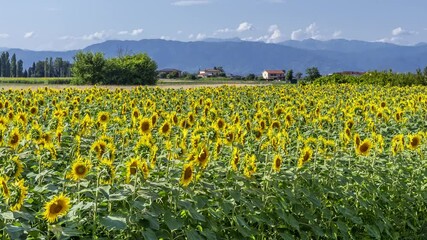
(214, 163)
(93, 68)
(378, 78)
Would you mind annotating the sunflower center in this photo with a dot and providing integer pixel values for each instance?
(364, 147)
(306, 156)
(145, 126)
(188, 173)
(15, 139)
(80, 170)
(165, 128)
(103, 118)
(55, 208)
(278, 162)
(414, 142)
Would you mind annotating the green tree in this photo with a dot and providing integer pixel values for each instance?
(289, 76)
(20, 68)
(89, 67)
(250, 76)
(298, 75)
(312, 74)
(13, 66)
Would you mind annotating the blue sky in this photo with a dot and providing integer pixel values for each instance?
(65, 25)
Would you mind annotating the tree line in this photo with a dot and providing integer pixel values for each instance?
(11, 67)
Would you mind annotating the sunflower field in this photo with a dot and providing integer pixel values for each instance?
(266, 162)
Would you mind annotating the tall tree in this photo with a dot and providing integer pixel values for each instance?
(13, 67)
(7, 70)
(20, 68)
(289, 75)
(312, 74)
(46, 68)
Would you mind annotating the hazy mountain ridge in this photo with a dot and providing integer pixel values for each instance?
(243, 57)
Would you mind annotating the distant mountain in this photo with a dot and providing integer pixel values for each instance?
(243, 57)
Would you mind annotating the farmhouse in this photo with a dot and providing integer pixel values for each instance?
(273, 74)
(209, 73)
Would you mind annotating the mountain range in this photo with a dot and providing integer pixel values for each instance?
(242, 57)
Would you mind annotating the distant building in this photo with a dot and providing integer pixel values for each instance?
(273, 74)
(209, 73)
(167, 71)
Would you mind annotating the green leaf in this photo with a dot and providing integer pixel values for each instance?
(196, 215)
(149, 234)
(154, 223)
(173, 223)
(105, 190)
(289, 219)
(373, 231)
(7, 216)
(193, 235)
(70, 232)
(117, 197)
(14, 232)
(112, 222)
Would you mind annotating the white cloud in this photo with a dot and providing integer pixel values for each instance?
(123, 33)
(399, 31)
(95, 36)
(4, 35)
(190, 2)
(136, 32)
(179, 32)
(244, 26)
(337, 34)
(29, 35)
(191, 36)
(223, 30)
(274, 35)
(311, 31)
(200, 36)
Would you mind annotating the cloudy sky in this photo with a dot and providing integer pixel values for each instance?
(66, 25)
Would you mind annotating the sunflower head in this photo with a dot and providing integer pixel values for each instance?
(203, 157)
(80, 169)
(14, 138)
(107, 171)
(13, 168)
(165, 129)
(145, 126)
(4, 187)
(306, 155)
(132, 167)
(103, 117)
(187, 174)
(364, 147)
(277, 163)
(18, 192)
(414, 141)
(57, 207)
(235, 157)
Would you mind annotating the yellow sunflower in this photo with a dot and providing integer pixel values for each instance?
(165, 129)
(306, 155)
(14, 138)
(80, 169)
(14, 167)
(144, 169)
(250, 166)
(57, 207)
(132, 167)
(18, 192)
(145, 125)
(203, 157)
(277, 163)
(364, 147)
(234, 162)
(103, 117)
(107, 171)
(99, 147)
(414, 141)
(4, 187)
(187, 174)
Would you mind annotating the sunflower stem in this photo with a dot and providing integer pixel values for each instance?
(95, 209)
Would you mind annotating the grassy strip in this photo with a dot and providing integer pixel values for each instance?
(54, 80)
